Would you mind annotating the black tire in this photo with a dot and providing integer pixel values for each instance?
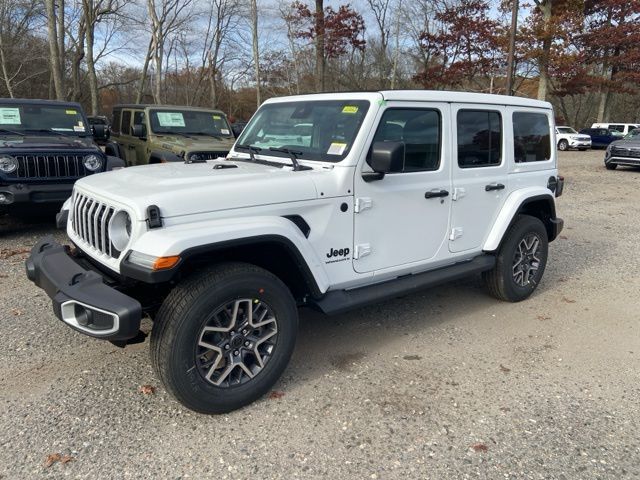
(582, 149)
(610, 166)
(503, 281)
(178, 331)
(563, 145)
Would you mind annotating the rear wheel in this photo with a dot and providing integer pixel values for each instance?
(223, 337)
(563, 145)
(520, 262)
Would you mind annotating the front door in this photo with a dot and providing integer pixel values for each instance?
(403, 218)
(479, 174)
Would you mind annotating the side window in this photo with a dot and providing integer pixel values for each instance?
(115, 123)
(479, 138)
(419, 129)
(126, 122)
(619, 128)
(531, 137)
(138, 117)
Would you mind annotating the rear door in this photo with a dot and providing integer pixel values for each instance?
(139, 144)
(480, 179)
(126, 139)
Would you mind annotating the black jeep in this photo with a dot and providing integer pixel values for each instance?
(45, 146)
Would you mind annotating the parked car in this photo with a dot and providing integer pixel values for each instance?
(567, 137)
(45, 146)
(600, 137)
(385, 199)
(624, 152)
(622, 128)
(100, 120)
(143, 134)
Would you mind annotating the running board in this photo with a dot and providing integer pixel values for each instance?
(340, 301)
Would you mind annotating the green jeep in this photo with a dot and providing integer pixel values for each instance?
(142, 134)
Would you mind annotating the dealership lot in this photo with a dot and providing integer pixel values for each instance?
(446, 383)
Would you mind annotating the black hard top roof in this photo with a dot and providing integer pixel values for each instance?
(140, 106)
(36, 101)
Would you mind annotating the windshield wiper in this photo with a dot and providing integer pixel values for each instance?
(12, 132)
(217, 137)
(293, 155)
(251, 149)
(47, 130)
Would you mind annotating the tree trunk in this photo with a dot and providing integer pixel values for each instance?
(143, 73)
(256, 51)
(157, 87)
(543, 62)
(212, 82)
(5, 73)
(320, 58)
(91, 70)
(396, 47)
(61, 38)
(54, 54)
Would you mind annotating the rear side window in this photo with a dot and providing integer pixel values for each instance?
(479, 138)
(115, 122)
(419, 129)
(531, 137)
(126, 122)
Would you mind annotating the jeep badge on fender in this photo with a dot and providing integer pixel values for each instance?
(240, 243)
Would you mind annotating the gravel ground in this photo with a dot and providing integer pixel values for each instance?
(445, 384)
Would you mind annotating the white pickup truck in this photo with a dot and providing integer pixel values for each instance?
(385, 194)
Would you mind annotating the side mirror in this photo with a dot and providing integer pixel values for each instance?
(385, 157)
(139, 131)
(100, 132)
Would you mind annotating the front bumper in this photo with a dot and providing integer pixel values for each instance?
(580, 143)
(625, 161)
(28, 193)
(80, 297)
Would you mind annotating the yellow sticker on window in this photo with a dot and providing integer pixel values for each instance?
(71, 112)
(217, 117)
(350, 109)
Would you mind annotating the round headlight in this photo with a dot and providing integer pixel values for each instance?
(120, 230)
(8, 164)
(92, 162)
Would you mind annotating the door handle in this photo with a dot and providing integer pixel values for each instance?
(436, 193)
(493, 186)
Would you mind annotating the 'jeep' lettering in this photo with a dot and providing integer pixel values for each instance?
(343, 252)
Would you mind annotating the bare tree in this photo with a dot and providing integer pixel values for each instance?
(255, 49)
(320, 54)
(56, 44)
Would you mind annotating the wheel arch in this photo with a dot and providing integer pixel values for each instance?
(540, 204)
(159, 156)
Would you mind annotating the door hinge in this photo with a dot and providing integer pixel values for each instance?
(362, 204)
(455, 233)
(361, 250)
(458, 193)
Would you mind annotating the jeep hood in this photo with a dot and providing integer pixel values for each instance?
(183, 189)
(200, 143)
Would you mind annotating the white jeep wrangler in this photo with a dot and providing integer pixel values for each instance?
(332, 201)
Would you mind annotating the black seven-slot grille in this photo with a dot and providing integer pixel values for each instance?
(50, 166)
(208, 155)
(90, 221)
(626, 152)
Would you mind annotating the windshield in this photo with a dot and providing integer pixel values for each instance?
(321, 130)
(633, 133)
(189, 122)
(30, 118)
(566, 130)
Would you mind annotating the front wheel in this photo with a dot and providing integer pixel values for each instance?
(223, 337)
(563, 145)
(610, 166)
(520, 261)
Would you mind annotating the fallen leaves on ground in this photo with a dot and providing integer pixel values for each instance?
(276, 394)
(147, 389)
(543, 317)
(563, 237)
(479, 447)
(412, 357)
(11, 252)
(16, 312)
(56, 457)
(568, 300)
(504, 369)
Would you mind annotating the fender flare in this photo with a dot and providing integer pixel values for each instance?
(190, 240)
(114, 162)
(160, 156)
(513, 205)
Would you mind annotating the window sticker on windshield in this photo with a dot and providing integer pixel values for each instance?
(71, 112)
(217, 117)
(78, 129)
(224, 131)
(336, 148)
(10, 116)
(350, 109)
(170, 119)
